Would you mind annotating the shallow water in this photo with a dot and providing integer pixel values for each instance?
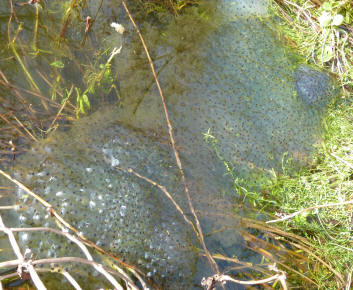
(223, 70)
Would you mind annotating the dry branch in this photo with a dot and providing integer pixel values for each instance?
(27, 265)
(162, 188)
(289, 216)
(62, 107)
(175, 151)
(211, 282)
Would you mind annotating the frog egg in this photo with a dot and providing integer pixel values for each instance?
(37, 218)
(24, 237)
(122, 210)
(92, 204)
(22, 219)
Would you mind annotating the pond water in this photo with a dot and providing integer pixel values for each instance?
(224, 71)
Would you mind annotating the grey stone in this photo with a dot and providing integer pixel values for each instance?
(312, 85)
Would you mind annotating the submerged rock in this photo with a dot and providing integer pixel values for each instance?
(312, 86)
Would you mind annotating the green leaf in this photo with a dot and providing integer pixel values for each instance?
(327, 6)
(86, 101)
(91, 89)
(348, 18)
(82, 107)
(325, 19)
(58, 64)
(327, 54)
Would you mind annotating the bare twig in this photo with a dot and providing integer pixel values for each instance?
(350, 165)
(13, 126)
(286, 217)
(308, 17)
(35, 34)
(8, 207)
(13, 14)
(24, 128)
(54, 89)
(25, 264)
(172, 140)
(66, 22)
(10, 263)
(211, 282)
(17, 91)
(162, 188)
(62, 107)
(91, 22)
(72, 281)
(349, 280)
(85, 251)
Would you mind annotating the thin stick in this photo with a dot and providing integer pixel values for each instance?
(26, 189)
(162, 188)
(24, 128)
(349, 280)
(29, 267)
(13, 126)
(300, 243)
(53, 88)
(17, 90)
(13, 13)
(224, 278)
(62, 107)
(286, 217)
(55, 261)
(172, 140)
(350, 165)
(7, 84)
(25, 70)
(5, 207)
(35, 35)
(211, 282)
(66, 21)
(72, 281)
(10, 263)
(91, 23)
(9, 276)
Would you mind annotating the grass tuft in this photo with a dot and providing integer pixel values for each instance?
(321, 32)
